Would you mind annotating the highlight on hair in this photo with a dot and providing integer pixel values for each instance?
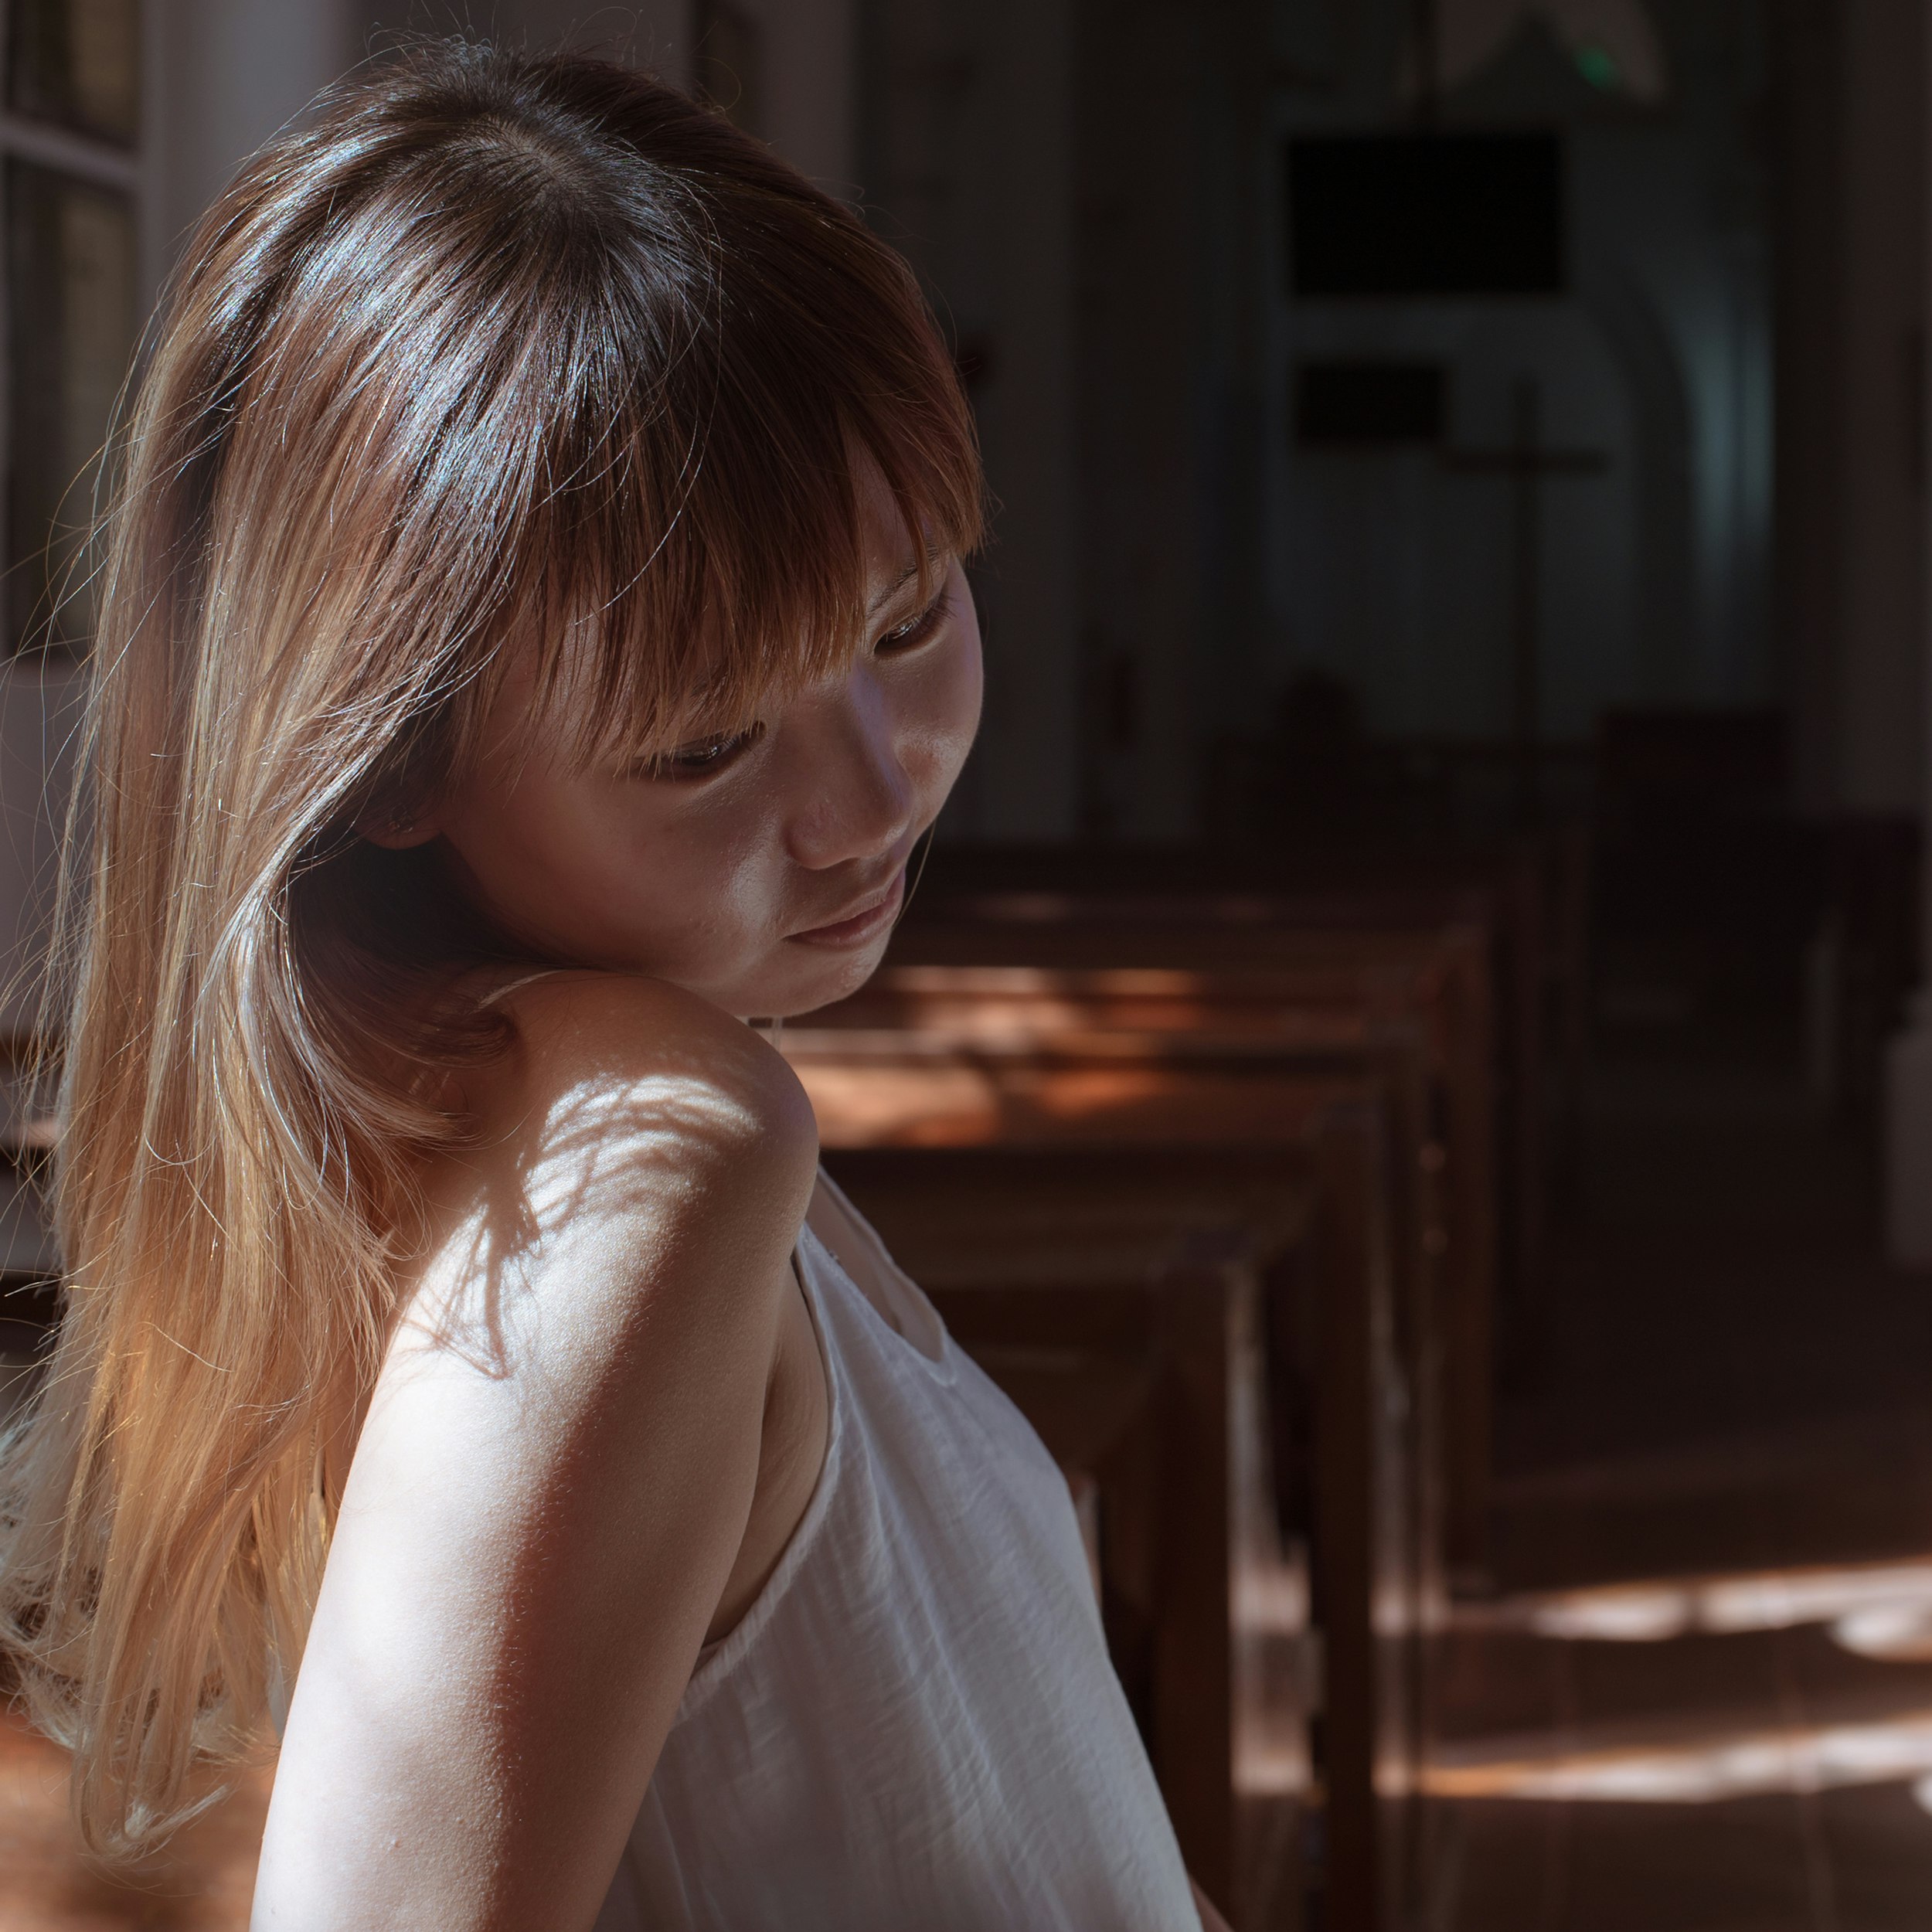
(492, 350)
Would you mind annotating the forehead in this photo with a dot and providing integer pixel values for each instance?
(900, 564)
(893, 555)
(553, 691)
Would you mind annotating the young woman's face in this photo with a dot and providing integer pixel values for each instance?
(763, 868)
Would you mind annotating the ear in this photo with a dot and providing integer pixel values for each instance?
(398, 831)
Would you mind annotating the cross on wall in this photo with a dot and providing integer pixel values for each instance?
(1527, 463)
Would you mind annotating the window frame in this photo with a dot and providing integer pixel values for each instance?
(101, 162)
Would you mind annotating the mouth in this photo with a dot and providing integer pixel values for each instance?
(873, 916)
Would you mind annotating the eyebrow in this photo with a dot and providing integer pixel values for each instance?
(933, 560)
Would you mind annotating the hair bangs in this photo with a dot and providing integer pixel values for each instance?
(711, 518)
(758, 590)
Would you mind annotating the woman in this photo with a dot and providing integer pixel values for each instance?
(534, 640)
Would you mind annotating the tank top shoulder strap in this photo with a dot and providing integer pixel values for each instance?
(508, 986)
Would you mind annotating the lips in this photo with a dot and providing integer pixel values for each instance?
(871, 916)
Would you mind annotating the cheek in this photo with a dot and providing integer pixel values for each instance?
(679, 878)
(532, 866)
(508, 837)
(606, 873)
(949, 713)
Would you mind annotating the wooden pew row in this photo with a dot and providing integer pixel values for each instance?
(1205, 1030)
(1342, 1445)
(1252, 977)
(1124, 1305)
(1530, 892)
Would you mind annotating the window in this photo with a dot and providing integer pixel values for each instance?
(69, 146)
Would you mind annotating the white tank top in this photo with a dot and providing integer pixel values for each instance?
(916, 1727)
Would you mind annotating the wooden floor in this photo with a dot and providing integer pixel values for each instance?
(1700, 1698)
(1738, 1749)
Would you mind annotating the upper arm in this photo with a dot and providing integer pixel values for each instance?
(553, 1479)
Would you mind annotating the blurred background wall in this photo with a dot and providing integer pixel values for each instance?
(1095, 192)
(1464, 555)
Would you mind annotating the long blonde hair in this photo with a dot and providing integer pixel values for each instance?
(491, 346)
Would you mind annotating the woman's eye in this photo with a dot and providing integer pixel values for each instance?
(916, 630)
(701, 757)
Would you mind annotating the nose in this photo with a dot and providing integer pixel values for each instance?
(857, 799)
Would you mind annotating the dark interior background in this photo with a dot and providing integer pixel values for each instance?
(1429, 437)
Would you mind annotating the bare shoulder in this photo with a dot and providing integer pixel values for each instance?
(627, 1111)
(612, 1039)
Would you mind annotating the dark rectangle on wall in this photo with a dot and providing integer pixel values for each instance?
(1417, 214)
(1353, 404)
(78, 63)
(71, 277)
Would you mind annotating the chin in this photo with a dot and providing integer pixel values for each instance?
(825, 979)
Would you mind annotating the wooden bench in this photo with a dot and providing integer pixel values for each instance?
(1240, 966)
(1342, 1445)
(1531, 892)
(1206, 1025)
